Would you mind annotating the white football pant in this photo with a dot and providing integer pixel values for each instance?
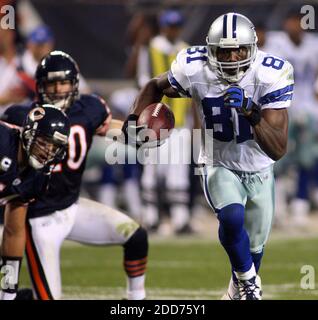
(87, 222)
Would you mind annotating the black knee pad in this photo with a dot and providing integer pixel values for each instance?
(136, 246)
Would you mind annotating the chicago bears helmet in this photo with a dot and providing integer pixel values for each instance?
(231, 30)
(45, 135)
(57, 66)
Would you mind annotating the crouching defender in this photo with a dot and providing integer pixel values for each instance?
(60, 214)
(26, 157)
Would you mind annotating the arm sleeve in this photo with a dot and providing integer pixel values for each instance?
(278, 94)
(15, 114)
(97, 110)
(8, 176)
(178, 77)
(24, 188)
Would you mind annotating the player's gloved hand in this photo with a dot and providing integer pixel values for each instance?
(34, 184)
(31, 185)
(131, 130)
(152, 144)
(135, 136)
(236, 97)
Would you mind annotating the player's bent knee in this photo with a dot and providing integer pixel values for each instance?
(231, 227)
(232, 217)
(136, 247)
(135, 254)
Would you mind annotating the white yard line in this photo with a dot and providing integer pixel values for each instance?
(272, 291)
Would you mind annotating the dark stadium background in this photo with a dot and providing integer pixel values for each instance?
(94, 31)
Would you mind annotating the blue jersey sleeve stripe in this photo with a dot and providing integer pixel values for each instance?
(284, 97)
(270, 97)
(176, 85)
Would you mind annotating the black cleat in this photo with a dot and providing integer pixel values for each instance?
(24, 294)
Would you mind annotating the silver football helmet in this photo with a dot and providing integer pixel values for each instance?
(231, 30)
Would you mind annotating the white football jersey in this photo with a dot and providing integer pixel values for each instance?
(269, 81)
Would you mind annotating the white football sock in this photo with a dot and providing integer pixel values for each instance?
(136, 288)
(246, 275)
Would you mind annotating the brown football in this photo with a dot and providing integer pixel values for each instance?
(159, 118)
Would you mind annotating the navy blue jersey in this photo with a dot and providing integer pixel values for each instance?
(85, 115)
(9, 146)
(18, 182)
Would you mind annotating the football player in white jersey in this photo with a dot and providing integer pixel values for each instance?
(243, 95)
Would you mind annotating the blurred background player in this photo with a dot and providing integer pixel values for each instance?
(26, 156)
(60, 214)
(172, 178)
(13, 87)
(301, 49)
(39, 43)
(141, 29)
(18, 64)
(282, 167)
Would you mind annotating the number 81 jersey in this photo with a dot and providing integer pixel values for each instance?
(269, 81)
(86, 115)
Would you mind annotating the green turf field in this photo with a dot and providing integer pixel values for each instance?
(184, 268)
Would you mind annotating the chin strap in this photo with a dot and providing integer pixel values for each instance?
(34, 163)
